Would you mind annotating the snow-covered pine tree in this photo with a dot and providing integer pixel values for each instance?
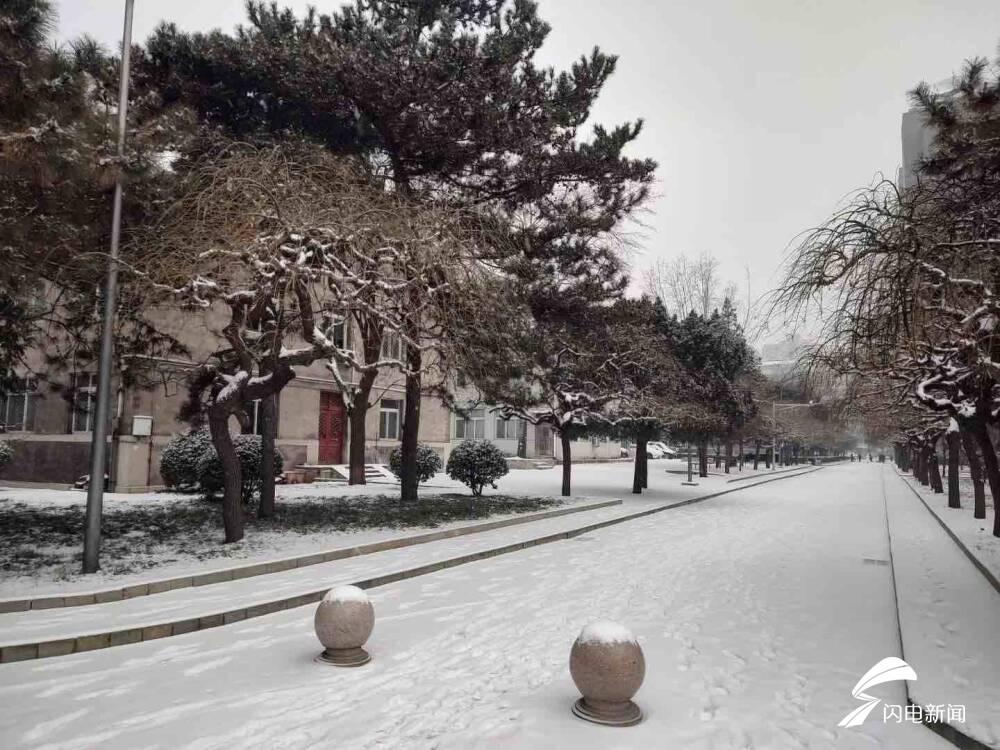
(444, 100)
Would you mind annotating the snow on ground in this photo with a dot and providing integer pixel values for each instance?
(949, 615)
(590, 482)
(200, 601)
(975, 533)
(757, 613)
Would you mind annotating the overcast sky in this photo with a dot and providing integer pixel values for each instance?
(762, 114)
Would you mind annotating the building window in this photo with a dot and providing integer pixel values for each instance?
(84, 396)
(337, 331)
(17, 406)
(390, 414)
(339, 334)
(392, 346)
(508, 429)
(472, 426)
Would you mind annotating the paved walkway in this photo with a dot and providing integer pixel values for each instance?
(757, 611)
(949, 616)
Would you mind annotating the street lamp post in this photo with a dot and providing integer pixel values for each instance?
(98, 442)
(690, 481)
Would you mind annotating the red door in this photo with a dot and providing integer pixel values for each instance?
(331, 428)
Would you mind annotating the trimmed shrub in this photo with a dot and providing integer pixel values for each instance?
(428, 462)
(248, 448)
(179, 460)
(477, 463)
(6, 453)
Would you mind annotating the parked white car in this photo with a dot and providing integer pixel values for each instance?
(653, 450)
(664, 450)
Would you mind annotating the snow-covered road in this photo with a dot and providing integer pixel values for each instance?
(757, 611)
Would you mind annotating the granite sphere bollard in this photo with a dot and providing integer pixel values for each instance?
(344, 620)
(608, 667)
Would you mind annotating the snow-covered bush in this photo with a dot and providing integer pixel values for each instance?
(249, 449)
(477, 463)
(6, 453)
(179, 460)
(428, 462)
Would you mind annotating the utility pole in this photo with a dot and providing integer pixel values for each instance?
(98, 442)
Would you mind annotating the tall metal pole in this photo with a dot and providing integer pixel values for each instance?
(774, 435)
(98, 443)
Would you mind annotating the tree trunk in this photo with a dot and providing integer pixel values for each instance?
(718, 456)
(356, 416)
(566, 463)
(703, 459)
(645, 464)
(934, 471)
(356, 450)
(992, 473)
(268, 414)
(740, 465)
(640, 452)
(408, 482)
(954, 492)
(232, 507)
(975, 470)
(756, 454)
(729, 455)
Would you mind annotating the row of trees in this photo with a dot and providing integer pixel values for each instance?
(399, 169)
(906, 283)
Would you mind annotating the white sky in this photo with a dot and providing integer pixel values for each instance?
(762, 114)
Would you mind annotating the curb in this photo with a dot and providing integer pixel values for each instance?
(772, 473)
(987, 573)
(947, 731)
(95, 640)
(159, 586)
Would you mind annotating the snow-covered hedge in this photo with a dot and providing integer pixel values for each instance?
(477, 463)
(428, 462)
(248, 448)
(6, 453)
(179, 460)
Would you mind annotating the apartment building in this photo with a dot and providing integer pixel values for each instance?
(51, 423)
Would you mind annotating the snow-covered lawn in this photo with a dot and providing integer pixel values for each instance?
(161, 534)
(757, 612)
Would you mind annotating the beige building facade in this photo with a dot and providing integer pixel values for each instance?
(50, 423)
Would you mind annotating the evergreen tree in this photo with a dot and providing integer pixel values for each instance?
(57, 169)
(443, 99)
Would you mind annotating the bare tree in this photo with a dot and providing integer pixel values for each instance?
(290, 242)
(684, 284)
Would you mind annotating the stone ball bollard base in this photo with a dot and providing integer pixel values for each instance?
(607, 665)
(344, 620)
